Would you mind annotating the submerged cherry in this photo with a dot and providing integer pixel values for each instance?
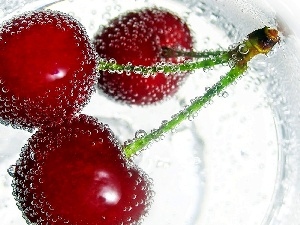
(139, 38)
(76, 174)
(47, 68)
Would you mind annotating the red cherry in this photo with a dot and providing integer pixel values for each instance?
(47, 68)
(76, 174)
(139, 37)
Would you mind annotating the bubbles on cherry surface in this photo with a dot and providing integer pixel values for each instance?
(73, 74)
(40, 179)
(178, 138)
(11, 170)
(137, 37)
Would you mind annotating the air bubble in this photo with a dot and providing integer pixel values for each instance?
(148, 72)
(224, 94)
(11, 170)
(128, 142)
(4, 90)
(127, 68)
(140, 134)
(159, 67)
(32, 156)
(231, 63)
(112, 61)
(192, 116)
(138, 69)
(163, 123)
(175, 69)
(119, 70)
(32, 185)
(243, 49)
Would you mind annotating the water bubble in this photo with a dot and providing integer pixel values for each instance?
(128, 142)
(106, 16)
(127, 68)
(112, 61)
(175, 69)
(11, 170)
(234, 56)
(129, 174)
(159, 67)
(231, 63)
(117, 8)
(119, 70)
(140, 134)
(163, 123)
(192, 116)
(200, 8)
(4, 90)
(32, 156)
(138, 69)
(148, 72)
(32, 185)
(243, 49)
(214, 17)
(223, 94)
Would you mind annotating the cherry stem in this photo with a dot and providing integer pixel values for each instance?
(170, 53)
(258, 42)
(208, 60)
(188, 112)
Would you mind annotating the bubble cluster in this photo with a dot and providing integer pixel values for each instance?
(139, 37)
(48, 69)
(76, 174)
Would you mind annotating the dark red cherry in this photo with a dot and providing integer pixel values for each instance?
(139, 37)
(47, 68)
(76, 174)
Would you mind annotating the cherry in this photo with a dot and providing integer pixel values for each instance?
(139, 37)
(76, 174)
(47, 69)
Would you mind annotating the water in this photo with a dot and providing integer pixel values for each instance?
(237, 161)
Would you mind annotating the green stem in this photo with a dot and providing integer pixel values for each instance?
(197, 104)
(170, 53)
(166, 68)
(258, 42)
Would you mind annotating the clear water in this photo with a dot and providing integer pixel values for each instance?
(237, 161)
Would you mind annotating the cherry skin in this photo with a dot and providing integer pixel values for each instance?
(47, 70)
(139, 38)
(76, 173)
